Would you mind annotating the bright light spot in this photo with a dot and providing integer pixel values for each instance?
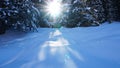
(54, 8)
(55, 34)
(61, 42)
(42, 55)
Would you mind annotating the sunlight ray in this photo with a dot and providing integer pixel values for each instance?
(59, 51)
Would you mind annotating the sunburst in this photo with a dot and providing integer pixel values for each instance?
(53, 8)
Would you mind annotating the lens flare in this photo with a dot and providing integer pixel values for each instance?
(54, 8)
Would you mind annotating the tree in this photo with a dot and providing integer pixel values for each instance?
(80, 14)
(108, 10)
(19, 14)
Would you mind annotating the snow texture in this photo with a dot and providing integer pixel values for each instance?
(92, 47)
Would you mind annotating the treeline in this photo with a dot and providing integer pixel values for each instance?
(28, 15)
(108, 8)
(20, 15)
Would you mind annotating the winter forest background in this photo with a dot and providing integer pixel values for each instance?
(59, 34)
(28, 15)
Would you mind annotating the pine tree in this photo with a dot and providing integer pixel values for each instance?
(97, 8)
(80, 14)
(19, 14)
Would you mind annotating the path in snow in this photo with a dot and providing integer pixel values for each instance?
(63, 48)
(31, 53)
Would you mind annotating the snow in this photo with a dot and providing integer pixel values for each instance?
(91, 47)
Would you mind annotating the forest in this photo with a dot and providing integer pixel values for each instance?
(28, 15)
(59, 34)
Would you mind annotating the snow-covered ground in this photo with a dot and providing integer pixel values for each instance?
(91, 47)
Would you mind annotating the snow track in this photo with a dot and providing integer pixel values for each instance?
(92, 47)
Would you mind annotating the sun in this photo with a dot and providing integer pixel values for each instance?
(54, 8)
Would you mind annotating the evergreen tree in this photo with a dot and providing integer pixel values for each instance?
(19, 14)
(97, 8)
(80, 15)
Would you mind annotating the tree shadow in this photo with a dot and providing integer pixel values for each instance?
(55, 53)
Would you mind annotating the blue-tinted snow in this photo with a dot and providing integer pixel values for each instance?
(92, 47)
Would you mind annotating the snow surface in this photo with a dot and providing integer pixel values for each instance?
(92, 47)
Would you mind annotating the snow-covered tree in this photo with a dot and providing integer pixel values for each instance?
(19, 14)
(97, 8)
(80, 14)
(108, 10)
